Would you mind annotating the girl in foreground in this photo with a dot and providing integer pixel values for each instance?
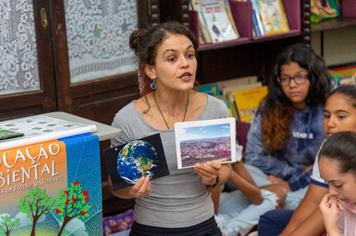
(337, 165)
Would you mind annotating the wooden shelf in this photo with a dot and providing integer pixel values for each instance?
(333, 24)
(241, 41)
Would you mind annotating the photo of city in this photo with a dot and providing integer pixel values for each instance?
(205, 142)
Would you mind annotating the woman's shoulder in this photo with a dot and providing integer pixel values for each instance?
(216, 106)
(124, 114)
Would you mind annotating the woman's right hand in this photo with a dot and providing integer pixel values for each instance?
(142, 187)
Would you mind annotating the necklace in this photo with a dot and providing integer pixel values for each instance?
(160, 112)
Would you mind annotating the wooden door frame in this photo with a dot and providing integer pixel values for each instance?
(42, 100)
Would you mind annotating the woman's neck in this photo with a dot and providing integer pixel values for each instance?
(172, 103)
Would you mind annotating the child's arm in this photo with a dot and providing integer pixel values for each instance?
(330, 209)
(242, 179)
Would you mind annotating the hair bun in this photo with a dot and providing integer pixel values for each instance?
(135, 38)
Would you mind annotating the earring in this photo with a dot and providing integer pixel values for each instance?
(153, 85)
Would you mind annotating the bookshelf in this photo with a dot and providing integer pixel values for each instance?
(247, 55)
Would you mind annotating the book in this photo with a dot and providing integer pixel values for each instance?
(39, 128)
(273, 16)
(217, 21)
(226, 5)
(204, 35)
(212, 89)
(256, 19)
(127, 163)
(247, 101)
(323, 10)
(120, 223)
(53, 187)
(205, 140)
(7, 134)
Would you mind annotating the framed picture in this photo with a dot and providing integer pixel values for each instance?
(207, 140)
(127, 163)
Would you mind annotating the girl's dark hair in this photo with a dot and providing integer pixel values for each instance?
(144, 42)
(276, 110)
(341, 147)
(348, 90)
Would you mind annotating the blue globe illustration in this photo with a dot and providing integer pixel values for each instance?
(136, 159)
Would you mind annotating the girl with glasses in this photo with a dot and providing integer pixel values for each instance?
(288, 129)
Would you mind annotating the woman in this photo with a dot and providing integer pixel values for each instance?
(287, 131)
(180, 203)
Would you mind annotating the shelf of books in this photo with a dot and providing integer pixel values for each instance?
(332, 15)
(224, 23)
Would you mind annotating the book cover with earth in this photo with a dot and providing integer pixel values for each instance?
(127, 163)
(52, 188)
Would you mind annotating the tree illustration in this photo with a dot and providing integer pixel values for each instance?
(35, 204)
(7, 223)
(71, 203)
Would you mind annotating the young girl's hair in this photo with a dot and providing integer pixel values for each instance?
(341, 147)
(276, 109)
(348, 90)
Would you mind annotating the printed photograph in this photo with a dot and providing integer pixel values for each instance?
(203, 141)
(129, 162)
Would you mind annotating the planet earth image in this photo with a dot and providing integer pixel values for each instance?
(136, 159)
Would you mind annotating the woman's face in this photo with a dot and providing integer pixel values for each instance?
(175, 64)
(341, 185)
(295, 84)
(339, 114)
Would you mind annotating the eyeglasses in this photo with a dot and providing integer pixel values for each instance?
(298, 79)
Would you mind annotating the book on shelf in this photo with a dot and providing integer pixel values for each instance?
(39, 128)
(272, 15)
(247, 101)
(323, 10)
(212, 89)
(203, 33)
(257, 29)
(226, 5)
(343, 74)
(230, 85)
(217, 21)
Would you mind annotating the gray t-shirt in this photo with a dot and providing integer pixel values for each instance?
(179, 199)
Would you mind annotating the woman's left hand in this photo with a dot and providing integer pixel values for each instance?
(208, 171)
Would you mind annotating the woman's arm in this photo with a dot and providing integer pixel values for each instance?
(244, 182)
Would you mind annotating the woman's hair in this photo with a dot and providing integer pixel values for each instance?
(348, 90)
(276, 109)
(341, 147)
(144, 42)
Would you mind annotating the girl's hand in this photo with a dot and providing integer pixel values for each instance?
(142, 187)
(277, 180)
(330, 208)
(208, 171)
